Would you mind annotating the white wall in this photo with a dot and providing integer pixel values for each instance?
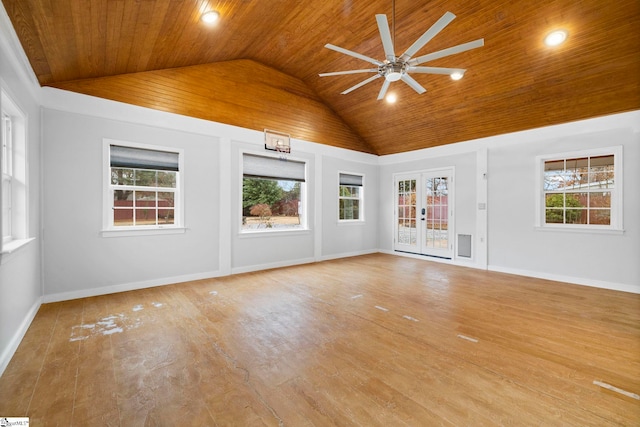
(600, 259)
(467, 176)
(20, 278)
(341, 238)
(513, 244)
(78, 261)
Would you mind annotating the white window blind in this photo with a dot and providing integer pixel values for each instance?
(272, 168)
(141, 158)
(347, 179)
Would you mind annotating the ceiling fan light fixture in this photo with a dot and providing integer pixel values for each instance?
(456, 75)
(393, 76)
(210, 17)
(394, 71)
(391, 98)
(555, 38)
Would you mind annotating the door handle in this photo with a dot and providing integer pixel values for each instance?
(422, 219)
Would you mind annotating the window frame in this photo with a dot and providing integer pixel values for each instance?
(304, 214)
(360, 198)
(616, 212)
(109, 229)
(6, 172)
(18, 176)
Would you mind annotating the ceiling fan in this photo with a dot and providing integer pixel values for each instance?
(395, 68)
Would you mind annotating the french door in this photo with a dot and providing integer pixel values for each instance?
(424, 216)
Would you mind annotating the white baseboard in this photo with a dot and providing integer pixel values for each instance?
(10, 350)
(84, 293)
(105, 290)
(456, 261)
(528, 273)
(251, 268)
(348, 254)
(422, 257)
(569, 279)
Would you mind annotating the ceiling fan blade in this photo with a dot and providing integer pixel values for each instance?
(340, 73)
(446, 52)
(414, 84)
(362, 83)
(351, 53)
(428, 35)
(385, 35)
(435, 70)
(383, 90)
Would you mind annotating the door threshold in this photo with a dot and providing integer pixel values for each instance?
(424, 255)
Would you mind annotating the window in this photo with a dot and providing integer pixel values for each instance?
(273, 194)
(350, 197)
(14, 175)
(582, 190)
(7, 177)
(144, 187)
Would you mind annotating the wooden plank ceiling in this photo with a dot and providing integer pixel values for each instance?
(258, 66)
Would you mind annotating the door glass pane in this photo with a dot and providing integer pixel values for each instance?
(436, 221)
(406, 196)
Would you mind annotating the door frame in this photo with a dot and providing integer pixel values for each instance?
(420, 177)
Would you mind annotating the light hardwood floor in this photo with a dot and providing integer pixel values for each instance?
(370, 340)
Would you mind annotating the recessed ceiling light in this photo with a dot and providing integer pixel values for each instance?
(555, 38)
(210, 17)
(457, 75)
(391, 98)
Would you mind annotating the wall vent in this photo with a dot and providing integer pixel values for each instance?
(464, 245)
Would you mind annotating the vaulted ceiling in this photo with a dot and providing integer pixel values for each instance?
(258, 66)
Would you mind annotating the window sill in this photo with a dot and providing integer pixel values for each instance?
(272, 233)
(142, 232)
(342, 222)
(9, 249)
(612, 231)
(14, 245)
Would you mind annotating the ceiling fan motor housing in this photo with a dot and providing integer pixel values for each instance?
(393, 71)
